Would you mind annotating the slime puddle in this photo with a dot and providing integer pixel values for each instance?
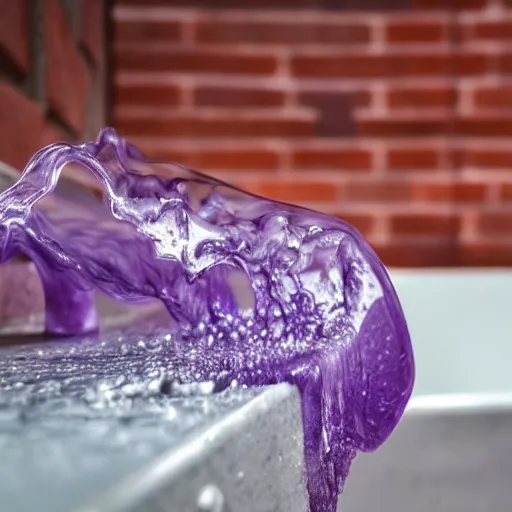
(318, 309)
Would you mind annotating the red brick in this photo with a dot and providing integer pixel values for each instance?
(295, 191)
(21, 126)
(365, 224)
(223, 125)
(467, 63)
(485, 254)
(506, 191)
(389, 65)
(499, 96)
(66, 76)
(93, 27)
(504, 62)
(234, 159)
(424, 225)
(228, 61)
(222, 159)
(483, 126)
(164, 95)
(293, 32)
(255, 5)
(14, 36)
(336, 110)
(376, 191)
(407, 126)
(238, 97)
(412, 158)
(407, 253)
(325, 158)
(443, 96)
(262, 160)
(416, 31)
(167, 154)
(140, 32)
(449, 192)
(484, 158)
(495, 223)
(452, 5)
(493, 30)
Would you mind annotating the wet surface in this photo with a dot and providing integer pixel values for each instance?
(78, 415)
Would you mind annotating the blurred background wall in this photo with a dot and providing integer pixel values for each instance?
(52, 74)
(393, 114)
(53, 87)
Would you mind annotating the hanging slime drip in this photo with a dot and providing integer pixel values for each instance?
(322, 312)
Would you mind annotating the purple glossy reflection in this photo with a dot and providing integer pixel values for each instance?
(318, 311)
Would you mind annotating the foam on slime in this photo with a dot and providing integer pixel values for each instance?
(322, 315)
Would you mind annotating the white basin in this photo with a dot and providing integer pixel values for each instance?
(452, 452)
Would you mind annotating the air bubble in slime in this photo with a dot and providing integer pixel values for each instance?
(322, 315)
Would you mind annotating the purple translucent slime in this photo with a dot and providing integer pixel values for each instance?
(320, 311)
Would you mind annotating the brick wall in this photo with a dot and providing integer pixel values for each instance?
(400, 121)
(52, 88)
(52, 73)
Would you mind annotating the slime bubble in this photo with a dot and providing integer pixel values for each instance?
(319, 310)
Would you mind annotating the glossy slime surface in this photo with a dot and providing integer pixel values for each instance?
(317, 308)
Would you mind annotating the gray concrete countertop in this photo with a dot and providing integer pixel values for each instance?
(94, 426)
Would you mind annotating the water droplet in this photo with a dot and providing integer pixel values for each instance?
(170, 413)
(206, 388)
(120, 380)
(210, 499)
(155, 385)
(276, 311)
